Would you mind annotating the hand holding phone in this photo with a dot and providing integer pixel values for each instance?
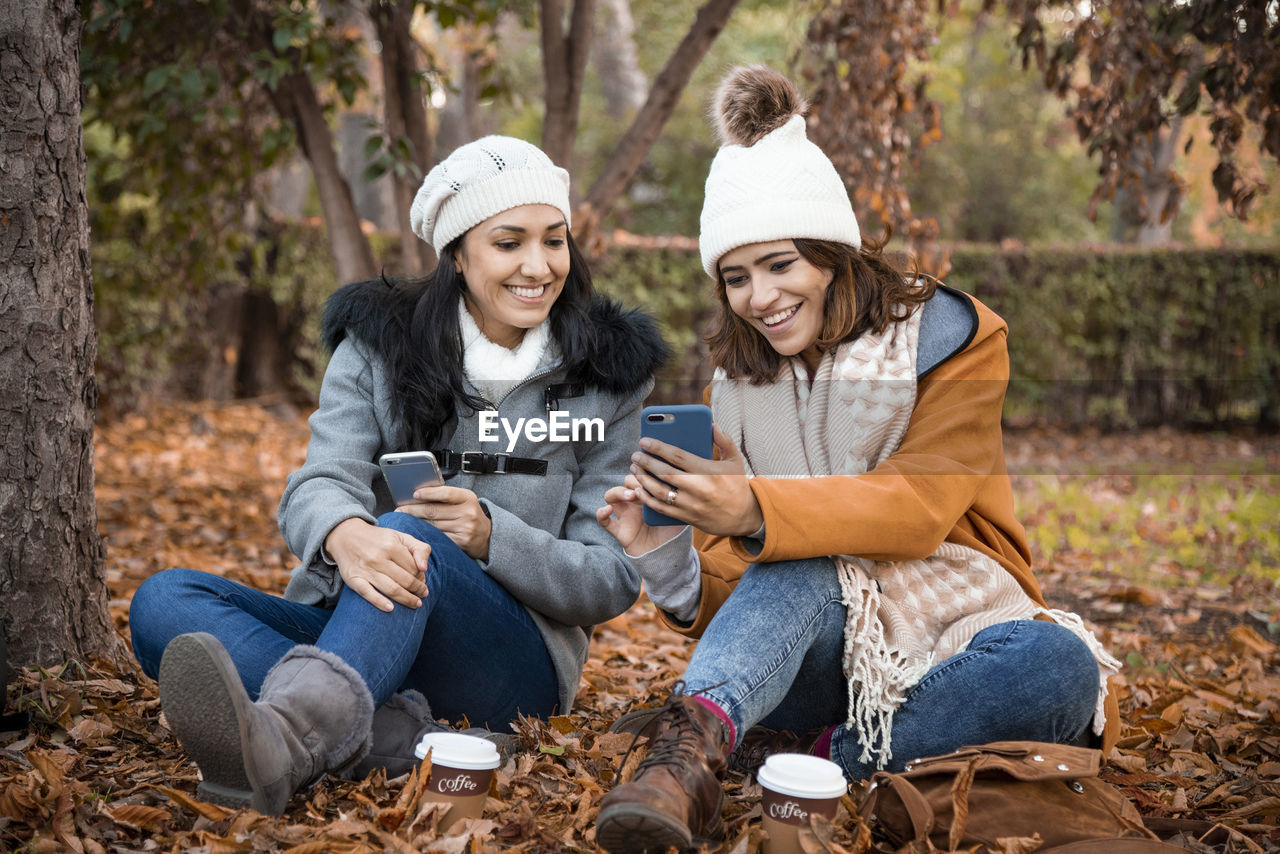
(408, 472)
(688, 427)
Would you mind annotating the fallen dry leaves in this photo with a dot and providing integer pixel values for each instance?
(197, 486)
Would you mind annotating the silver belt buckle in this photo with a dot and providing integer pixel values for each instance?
(472, 462)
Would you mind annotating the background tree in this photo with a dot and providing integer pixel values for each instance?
(869, 110)
(1130, 72)
(405, 121)
(1008, 166)
(53, 595)
(664, 95)
(193, 85)
(564, 63)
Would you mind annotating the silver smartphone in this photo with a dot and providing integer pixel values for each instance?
(408, 471)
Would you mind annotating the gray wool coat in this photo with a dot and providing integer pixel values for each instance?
(546, 547)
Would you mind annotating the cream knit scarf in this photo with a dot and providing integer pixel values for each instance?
(902, 616)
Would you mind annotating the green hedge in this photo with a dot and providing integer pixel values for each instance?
(1112, 338)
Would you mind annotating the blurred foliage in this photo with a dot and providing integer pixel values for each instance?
(1128, 69)
(1124, 338)
(1007, 165)
(672, 286)
(183, 94)
(666, 196)
(164, 333)
(870, 110)
(1114, 338)
(181, 136)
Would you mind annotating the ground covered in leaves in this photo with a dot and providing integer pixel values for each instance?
(1167, 543)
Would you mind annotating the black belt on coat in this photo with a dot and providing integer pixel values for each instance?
(479, 462)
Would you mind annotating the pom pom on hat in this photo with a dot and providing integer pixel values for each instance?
(768, 181)
(481, 179)
(752, 101)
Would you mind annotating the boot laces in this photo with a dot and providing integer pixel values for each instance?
(680, 744)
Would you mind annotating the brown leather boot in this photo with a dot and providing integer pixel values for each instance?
(675, 797)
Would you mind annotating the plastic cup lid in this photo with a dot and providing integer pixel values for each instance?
(457, 750)
(802, 776)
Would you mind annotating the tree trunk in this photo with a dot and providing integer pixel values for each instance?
(263, 364)
(625, 86)
(295, 98)
(405, 118)
(564, 64)
(53, 592)
(1138, 214)
(461, 119)
(634, 146)
(1162, 188)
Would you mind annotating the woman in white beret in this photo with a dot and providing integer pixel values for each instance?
(477, 598)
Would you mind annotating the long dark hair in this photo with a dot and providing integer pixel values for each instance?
(865, 289)
(424, 357)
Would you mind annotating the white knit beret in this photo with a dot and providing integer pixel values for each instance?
(483, 178)
(781, 187)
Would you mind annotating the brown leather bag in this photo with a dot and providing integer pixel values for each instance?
(1007, 789)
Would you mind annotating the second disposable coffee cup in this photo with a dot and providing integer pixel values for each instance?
(795, 785)
(461, 768)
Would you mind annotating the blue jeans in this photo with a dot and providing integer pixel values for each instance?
(773, 654)
(471, 648)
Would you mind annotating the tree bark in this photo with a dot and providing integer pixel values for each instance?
(634, 146)
(405, 117)
(564, 64)
(53, 592)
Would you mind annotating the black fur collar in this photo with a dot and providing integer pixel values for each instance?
(627, 351)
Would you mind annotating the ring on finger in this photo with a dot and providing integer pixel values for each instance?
(671, 495)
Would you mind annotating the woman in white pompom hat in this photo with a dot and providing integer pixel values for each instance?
(851, 561)
(473, 599)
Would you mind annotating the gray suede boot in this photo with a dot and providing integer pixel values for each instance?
(399, 724)
(313, 715)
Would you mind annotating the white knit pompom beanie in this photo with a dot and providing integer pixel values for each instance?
(768, 181)
(483, 178)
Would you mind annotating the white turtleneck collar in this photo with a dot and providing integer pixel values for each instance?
(493, 369)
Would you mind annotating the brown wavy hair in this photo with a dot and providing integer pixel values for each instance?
(865, 291)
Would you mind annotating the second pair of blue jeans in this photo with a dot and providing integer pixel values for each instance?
(773, 655)
(471, 648)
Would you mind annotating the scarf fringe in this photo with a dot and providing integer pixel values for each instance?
(879, 677)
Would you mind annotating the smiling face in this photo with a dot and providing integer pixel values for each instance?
(778, 292)
(515, 264)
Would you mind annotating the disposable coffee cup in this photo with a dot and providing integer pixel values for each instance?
(794, 786)
(461, 768)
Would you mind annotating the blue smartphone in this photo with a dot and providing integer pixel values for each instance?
(688, 427)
